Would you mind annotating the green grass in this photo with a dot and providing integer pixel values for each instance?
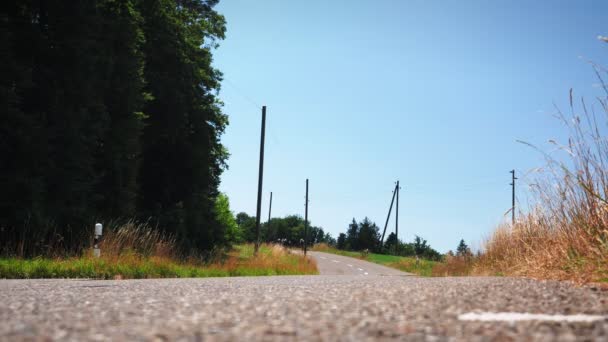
(406, 264)
(240, 262)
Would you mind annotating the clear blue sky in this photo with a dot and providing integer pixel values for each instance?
(433, 93)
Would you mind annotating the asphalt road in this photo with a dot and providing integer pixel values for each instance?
(331, 264)
(352, 306)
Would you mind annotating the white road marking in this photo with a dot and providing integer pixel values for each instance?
(365, 273)
(335, 260)
(323, 258)
(349, 265)
(360, 269)
(518, 316)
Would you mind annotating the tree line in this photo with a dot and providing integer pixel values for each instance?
(287, 230)
(365, 235)
(110, 112)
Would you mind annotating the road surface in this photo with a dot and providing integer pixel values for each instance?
(331, 264)
(354, 306)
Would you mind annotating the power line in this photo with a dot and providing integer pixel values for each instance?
(242, 93)
(249, 99)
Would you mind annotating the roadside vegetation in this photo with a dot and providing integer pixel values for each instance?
(136, 251)
(110, 111)
(565, 234)
(288, 230)
(421, 267)
(365, 235)
(362, 240)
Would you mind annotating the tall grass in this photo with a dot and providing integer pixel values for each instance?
(138, 238)
(272, 260)
(134, 250)
(565, 234)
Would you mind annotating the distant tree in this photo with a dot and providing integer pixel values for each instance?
(369, 235)
(422, 249)
(328, 239)
(289, 228)
(420, 245)
(241, 218)
(224, 217)
(406, 249)
(366, 235)
(341, 243)
(392, 243)
(352, 236)
(463, 249)
(246, 224)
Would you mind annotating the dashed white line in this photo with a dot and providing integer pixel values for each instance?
(349, 265)
(335, 260)
(366, 273)
(517, 316)
(360, 269)
(323, 258)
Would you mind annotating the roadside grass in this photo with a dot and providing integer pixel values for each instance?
(272, 260)
(423, 268)
(564, 235)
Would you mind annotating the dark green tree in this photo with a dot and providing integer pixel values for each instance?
(123, 98)
(422, 249)
(110, 111)
(392, 243)
(328, 239)
(352, 236)
(246, 225)
(369, 235)
(72, 89)
(341, 243)
(226, 219)
(420, 245)
(463, 249)
(183, 157)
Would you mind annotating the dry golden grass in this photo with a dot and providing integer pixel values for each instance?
(136, 238)
(565, 236)
(138, 244)
(273, 257)
(322, 247)
(453, 266)
(138, 251)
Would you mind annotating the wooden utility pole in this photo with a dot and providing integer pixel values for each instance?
(397, 219)
(513, 178)
(270, 207)
(388, 216)
(397, 213)
(260, 178)
(306, 219)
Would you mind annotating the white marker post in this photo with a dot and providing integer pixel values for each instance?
(98, 233)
